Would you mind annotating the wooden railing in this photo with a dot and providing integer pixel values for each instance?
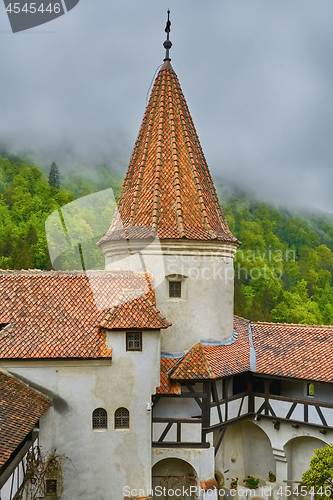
(217, 414)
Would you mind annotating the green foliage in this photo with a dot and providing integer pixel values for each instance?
(27, 198)
(54, 178)
(283, 269)
(320, 474)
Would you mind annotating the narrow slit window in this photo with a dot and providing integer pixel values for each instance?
(99, 419)
(121, 418)
(311, 390)
(175, 289)
(134, 341)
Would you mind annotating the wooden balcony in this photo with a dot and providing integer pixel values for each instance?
(217, 414)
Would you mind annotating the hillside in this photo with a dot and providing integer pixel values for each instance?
(283, 270)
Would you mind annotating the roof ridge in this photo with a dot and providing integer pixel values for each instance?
(241, 317)
(178, 205)
(33, 272)
(156, 311)
(158, 161)
(168, 185)
(187, 359)
(290, 324)
(203, 352)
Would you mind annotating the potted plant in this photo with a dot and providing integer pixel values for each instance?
(233, 483)
(271, 477)
(252, 482)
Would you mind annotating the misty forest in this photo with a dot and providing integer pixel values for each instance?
(283, 269)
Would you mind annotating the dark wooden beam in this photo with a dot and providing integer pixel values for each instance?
(16, 457)
(179, 432)
(216, 399)
(240, 407)
(230, 398)
(168, 444)
(194, 395)
(291, 410)
(322, 418)
(175, 420)
(266, 382)
(165, 432)
(206, 404)
(191, 389)
(219, 441)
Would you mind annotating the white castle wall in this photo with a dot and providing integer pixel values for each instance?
(205, 310)
(98, 464)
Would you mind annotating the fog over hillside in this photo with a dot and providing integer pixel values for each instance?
(256, 74)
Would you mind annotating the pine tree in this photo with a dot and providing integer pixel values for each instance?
(54, 178)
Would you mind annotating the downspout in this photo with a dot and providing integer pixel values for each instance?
(253, 356)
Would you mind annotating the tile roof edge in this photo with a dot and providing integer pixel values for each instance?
(170, 355)
(241, 317)
(290, 324)
(229, 341)
(25, 384)
(72, 272)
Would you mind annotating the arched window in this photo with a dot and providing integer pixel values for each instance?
(121, 418)
(99, 419)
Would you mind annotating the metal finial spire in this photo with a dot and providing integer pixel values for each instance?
(167, 44)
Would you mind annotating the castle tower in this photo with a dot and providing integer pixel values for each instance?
(170, 220)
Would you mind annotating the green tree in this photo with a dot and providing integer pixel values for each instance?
(320, 474)
(54, 178)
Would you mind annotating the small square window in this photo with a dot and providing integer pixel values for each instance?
(51, 487)
(175, 289)
(310, 389)
(133, 341)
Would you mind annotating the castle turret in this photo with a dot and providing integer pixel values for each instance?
(169, 213)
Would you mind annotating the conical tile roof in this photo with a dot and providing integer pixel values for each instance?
(168, 187)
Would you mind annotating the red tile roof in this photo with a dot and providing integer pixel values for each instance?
(133, 311)
(55, 315)
(297, 351)
(210, 361)
(167, 386)
(282, 350)
(20, 410)
(168, 186)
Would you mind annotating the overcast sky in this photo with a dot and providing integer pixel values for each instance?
(257, 76)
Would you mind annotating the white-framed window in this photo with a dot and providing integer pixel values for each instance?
(176, 288)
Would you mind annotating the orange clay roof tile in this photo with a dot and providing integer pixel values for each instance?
(282, 350)
(20, 409)
(296, 351)
(213, 361)
(168, 185)
(55, 315)
(167, 385)
(133, 311)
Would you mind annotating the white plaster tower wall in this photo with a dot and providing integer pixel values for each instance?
(205, 309)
